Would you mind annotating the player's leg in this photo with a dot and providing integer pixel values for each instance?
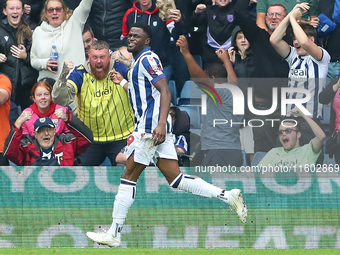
(193, 184)
(139, 153)
(198, 186)
(123, 201)
(125, 196)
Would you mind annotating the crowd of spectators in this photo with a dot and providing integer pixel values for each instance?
(236, 39)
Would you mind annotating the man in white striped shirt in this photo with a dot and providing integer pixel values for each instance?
(150, 98)
(307, 61)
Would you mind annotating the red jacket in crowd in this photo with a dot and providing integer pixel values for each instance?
(24, 151)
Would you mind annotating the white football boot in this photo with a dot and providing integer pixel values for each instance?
(236, 203)
(103, 238)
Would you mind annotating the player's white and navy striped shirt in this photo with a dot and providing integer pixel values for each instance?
(308, 73)
(146, 69)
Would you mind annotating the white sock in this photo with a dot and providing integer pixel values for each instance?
(123, 201)
(115, 230)
(196, 186)
(224, 196)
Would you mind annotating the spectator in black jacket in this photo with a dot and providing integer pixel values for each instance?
(268, 65)
(180, 72)
(242, 57)
(106, 19)
(219, 22)
(32, 11)
(15, 45)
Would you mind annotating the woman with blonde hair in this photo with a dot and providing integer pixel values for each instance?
(63, 28)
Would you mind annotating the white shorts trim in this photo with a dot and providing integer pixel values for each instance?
(141, 145)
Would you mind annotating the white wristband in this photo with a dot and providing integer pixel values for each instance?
(123, 82)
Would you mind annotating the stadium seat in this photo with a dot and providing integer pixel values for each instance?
(257, 157)
(195, 117)
(184, 98)
(106, 162)
(198, 60)
(244, 156)
(182, 124)
(326, 118)
(194, 112)
(173, 90)
(11, 163)
(185, 108)
(190, 94)
(328, 161)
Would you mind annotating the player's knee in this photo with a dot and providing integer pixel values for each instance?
(177, 181)
(130, 174)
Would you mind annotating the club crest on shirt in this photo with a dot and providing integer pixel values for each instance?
(230, 17)
(155, 67)
(55, 122)
(151, 60)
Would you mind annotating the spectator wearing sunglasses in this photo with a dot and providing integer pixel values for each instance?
(63, 28)
(291, 154)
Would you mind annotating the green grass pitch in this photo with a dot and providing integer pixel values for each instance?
(128, 251)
